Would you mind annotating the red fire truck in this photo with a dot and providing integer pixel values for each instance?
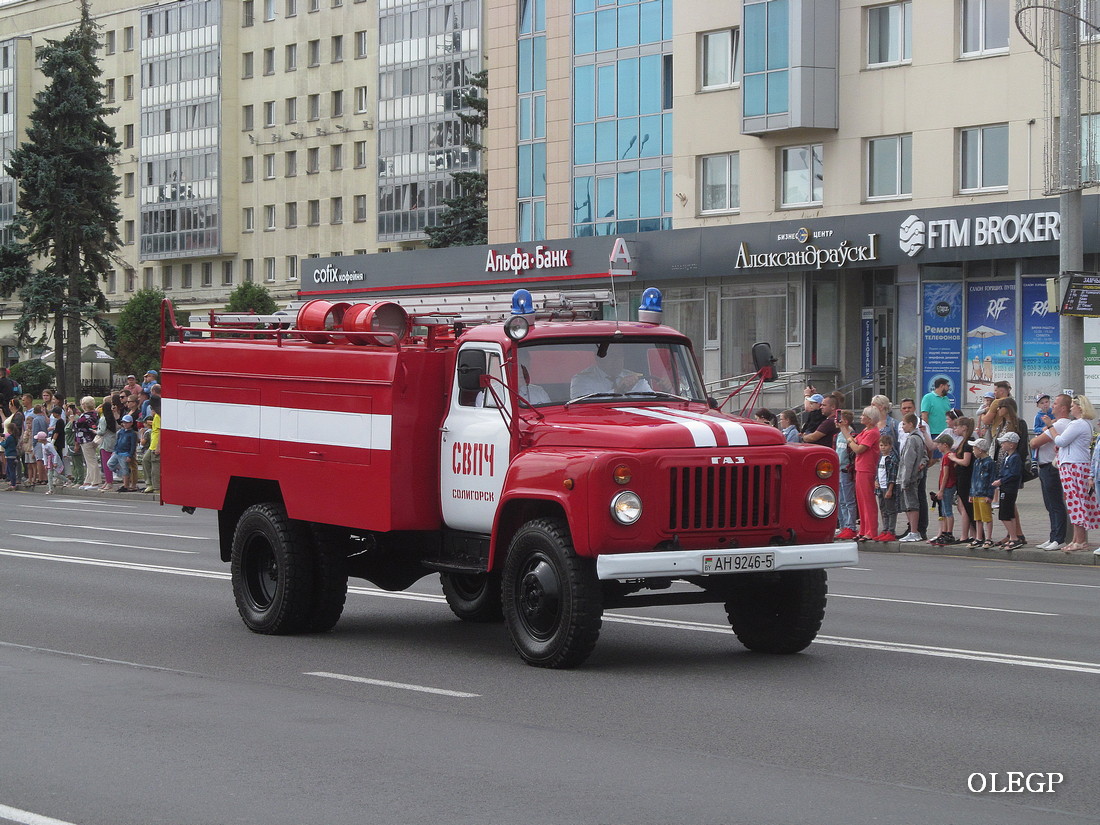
(547, 467)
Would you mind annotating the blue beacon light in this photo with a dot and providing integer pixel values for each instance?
(522, 302)
(649, 312)
(518, 325)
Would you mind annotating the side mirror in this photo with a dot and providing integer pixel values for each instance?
(764, 361)
(472, 364)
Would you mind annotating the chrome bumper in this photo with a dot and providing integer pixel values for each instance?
(677, 564)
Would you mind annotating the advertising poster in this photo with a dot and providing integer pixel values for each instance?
(1092, 359)
(941, 334)
(1038, 345)
(990, 333)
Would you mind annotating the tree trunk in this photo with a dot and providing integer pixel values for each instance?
(59, 350)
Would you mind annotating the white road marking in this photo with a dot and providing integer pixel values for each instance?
(343, 677)
(127, 530)
(133, 512)
(677, 624)
(91, 502)
(1056, 584)
(940, 604)
(27, 818)
(61, 540)
(97, 658)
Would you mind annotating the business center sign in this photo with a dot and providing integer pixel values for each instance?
(812, 255)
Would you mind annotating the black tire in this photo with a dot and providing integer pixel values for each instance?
(552, 601)
(272, 570)
(473, 597)
(330, 578)
(777, 612)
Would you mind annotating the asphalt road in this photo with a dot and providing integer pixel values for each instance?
(130, 692)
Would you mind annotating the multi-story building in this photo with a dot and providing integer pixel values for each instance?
(859, 182)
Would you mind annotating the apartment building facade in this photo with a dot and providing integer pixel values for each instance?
(860, 183)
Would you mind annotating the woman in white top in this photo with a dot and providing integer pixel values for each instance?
(1075, 471)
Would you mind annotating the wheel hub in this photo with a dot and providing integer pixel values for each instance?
(540, 597)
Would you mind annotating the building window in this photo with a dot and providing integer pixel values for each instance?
(269, 10)
(720, 59)
(890, 167)
(128, 39)
(802, 175)
(249, 270)
(338, 103)
(128, 136)
(766, 84)
(269, 218)
(337, 156)
(983, 154)
(314, 208)
(360, 154)
(128, 232)
(227, 273)
(314, 106)
(269, 166)
(291, 8)
(248, 219)
(269, 269)
(248, 63)
(128, 185)
(108, 93)
(248, 13)
(337, 48)
(291, 110)
(269, 113)
(290, 164)
(889, 34)
(292, 267)
(269, 61)
(291, 57)
(337, 210)
(112, 281)
(313, 160)
(109, 43)
(360, 208)
(128, 87)
(314, 5)
(313, 49)
(721, 182)
(360, 44)
(247, 169)
(185, 276)
(208, 274)
(131, 279)
(291, 214)
(248, 118)
(166, 277)
(147, 278)
(985, 26)
(362, 100)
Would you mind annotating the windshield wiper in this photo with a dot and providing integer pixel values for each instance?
(659, 394)
(594, 395)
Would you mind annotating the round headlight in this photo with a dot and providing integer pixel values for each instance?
(622, 474)
(825, 468)
(517, 327)
(626, 507)
(821, 501)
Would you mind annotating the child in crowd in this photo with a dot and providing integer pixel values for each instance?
(981, 495)
(945, 495)
(51, 461)
(886, 489)
(11, 453)
(1008, 482)
(788, 423)
(910, 463)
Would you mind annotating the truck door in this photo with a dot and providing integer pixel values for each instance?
(474, 449)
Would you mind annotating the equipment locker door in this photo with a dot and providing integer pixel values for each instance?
(474, 451)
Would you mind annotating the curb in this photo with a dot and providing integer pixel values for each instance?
(1028, 554)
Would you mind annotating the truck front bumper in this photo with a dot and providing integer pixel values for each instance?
(681, 563)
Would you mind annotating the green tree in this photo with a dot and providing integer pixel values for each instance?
(139, 333)
(251, 297)
(465, 221)
(33, 375)
(66, 227)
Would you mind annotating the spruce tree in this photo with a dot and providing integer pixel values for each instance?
(66, 224)
(465, 221)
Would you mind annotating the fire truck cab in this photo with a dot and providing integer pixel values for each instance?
(547, 468)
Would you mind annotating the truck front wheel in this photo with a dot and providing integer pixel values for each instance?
(272, 570)
(551, 596)
(777, 612)
(473, 597)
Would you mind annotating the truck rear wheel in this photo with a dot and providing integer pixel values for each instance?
(473, 597)
(551, 596)
(272, 570)
(777, 612)
(330, 578)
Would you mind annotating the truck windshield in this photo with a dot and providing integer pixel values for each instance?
(560, 373)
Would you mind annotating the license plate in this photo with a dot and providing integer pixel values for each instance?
(738, 562)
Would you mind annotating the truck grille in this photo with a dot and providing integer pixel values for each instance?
(724, 497)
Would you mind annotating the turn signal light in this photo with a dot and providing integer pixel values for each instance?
(825, 468)
(622, 474)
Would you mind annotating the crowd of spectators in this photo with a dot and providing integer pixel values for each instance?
(965, 468)
(89, 444)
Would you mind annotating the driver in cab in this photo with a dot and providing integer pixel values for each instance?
(608, 375)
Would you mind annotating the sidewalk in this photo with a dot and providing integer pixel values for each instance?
(1033, 520)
